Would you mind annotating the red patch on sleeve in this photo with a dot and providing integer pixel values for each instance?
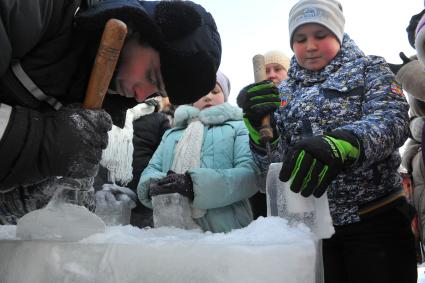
(396, 88)
(283, 101)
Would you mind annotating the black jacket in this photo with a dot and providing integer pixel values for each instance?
(56, 50)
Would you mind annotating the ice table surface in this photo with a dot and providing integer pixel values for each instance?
(266, 251)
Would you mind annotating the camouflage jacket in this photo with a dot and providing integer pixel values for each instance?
(356, 93)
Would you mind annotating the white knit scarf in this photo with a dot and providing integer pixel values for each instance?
(187, 154)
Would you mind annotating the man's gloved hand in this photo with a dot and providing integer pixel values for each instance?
(396, 67)
(111, 197)
(73, 141)
(314, 162)
(257, 101)
(173, 183)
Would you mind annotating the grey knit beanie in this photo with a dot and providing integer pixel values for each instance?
(328, 13)
(224, 83)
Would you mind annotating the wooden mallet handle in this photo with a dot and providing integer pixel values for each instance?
(266, 132)
(104, 65)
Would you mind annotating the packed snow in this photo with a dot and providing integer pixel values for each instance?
(269, 250)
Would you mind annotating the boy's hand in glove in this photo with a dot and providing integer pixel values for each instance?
(313, 163)
(173, 183)
(396, 67)
(257, 101)
(111, 197)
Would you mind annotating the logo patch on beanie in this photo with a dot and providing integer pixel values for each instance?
(396, 88)
(311, 13)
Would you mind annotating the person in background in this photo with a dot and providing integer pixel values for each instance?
(420, 37)
(341, 118)
(218, 174)
(411, 75)
(126, 156)
(48, 49)
(277, 65)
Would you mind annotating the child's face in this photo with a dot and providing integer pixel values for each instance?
(214, 97)
(276, 73)
(314, 46)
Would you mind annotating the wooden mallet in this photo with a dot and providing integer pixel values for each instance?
(266, 132)
(111, 43)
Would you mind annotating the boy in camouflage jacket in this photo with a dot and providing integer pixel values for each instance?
(340, 120)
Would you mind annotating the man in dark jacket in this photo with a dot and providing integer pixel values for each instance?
(48, 49)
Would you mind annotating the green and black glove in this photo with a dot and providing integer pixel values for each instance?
(314, 162)
(257, 101)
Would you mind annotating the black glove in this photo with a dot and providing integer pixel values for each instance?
(73, 142)
(313, 163)
(67, 143)
(173, 183)
(257, 101)
(396, 67)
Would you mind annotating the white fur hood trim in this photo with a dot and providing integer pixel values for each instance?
(210, 116)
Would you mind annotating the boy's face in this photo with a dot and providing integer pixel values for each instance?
(139, 75)
(214, 97)
(314, 46)
(276, 73)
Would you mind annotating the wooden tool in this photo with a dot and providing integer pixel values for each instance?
(266, 132)
(104, 65)
(103, 68)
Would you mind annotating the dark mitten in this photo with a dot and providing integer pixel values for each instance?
(173, 183)
(313, 163)
(396, 67)
(73, 142)
(67, 143)
(257, 101)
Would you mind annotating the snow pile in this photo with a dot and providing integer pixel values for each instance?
(262, 232)
(268, 250)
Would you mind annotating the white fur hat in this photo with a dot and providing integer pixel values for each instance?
(276, 56)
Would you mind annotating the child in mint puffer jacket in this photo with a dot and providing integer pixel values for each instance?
(210, 161)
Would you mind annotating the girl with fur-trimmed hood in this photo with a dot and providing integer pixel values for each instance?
(206, 157)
